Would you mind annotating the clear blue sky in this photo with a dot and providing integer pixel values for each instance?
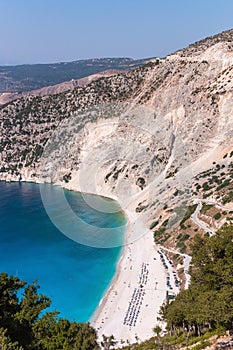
(34, 31)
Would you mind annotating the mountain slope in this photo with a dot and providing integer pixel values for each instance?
(202, 45)
(173, 117)
(58, 88)
(188, 94)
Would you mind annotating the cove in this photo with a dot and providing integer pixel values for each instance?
(73, 275)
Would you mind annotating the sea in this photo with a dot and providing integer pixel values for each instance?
(75, 276)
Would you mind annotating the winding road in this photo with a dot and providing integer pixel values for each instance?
(187, 258)
(199, 222)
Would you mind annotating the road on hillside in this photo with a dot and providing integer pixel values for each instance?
(198, 222)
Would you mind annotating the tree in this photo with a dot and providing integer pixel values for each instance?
(108, 342)
(23, 328)
(9, 303)
(209, 298)
(60, 334)
(6, 343)
(157, 331)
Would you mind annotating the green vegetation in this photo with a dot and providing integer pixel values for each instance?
(23, 328)
(181, 246)
(217, 216)
(205, 309)
(164, 224)
(154, 224)
(228, 198)
(141, 182)
(152, 64)
(172, 173)
(34, 119)
(183, 213)
(67, 177)
(185, 237)
(208, 302)
(206, 186)
(206, 207)
(189, 211)
(202, 345)
(159, 232)
(224, 184)
(206, 195)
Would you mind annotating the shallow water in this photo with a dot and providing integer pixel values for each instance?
(73, 275)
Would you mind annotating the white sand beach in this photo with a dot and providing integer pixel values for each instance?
(130, 308)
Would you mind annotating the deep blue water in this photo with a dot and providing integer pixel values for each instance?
(75, 276)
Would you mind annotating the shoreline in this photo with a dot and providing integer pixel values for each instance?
(137, 256)
(103, 300)
(113, 282)
(139, 283)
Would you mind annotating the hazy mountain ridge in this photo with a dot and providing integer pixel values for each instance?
(35, 76)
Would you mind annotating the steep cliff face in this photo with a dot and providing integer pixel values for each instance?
(136, 136)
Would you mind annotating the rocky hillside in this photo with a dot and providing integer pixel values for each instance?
(6, 97)
(202, 45)
(143, 136)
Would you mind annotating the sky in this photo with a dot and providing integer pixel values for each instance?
(43, 31)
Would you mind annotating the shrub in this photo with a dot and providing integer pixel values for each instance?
(217, 216)
(202, 345)
(153, 224)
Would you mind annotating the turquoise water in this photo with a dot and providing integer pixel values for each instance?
(75, 276)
